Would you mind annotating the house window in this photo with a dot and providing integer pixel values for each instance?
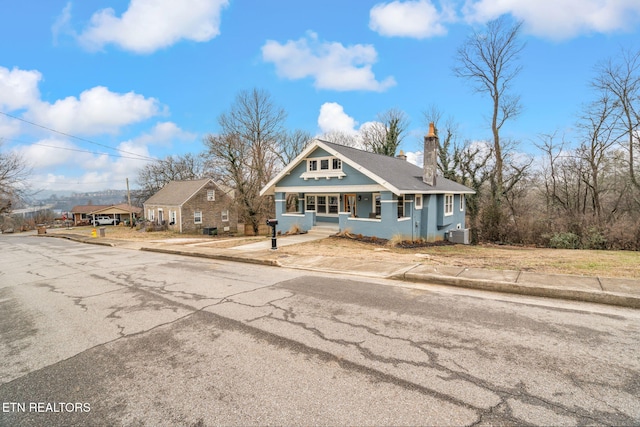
(462, 203)
(172, 217)
(324, 164)
(211, 195)
(418, 201)
(322, 204)
(151, 214)
(333, 204)
(400, 206)
(311, 203)
(376, 204)
(225, 216)
(448, 204)
(197, 217)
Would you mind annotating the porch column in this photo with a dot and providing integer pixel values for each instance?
(388, 207)
(281, 204)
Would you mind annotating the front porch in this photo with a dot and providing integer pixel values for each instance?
(380, 214)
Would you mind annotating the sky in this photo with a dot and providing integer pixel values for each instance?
(91, 91)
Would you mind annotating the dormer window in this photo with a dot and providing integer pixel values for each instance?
(323, 167)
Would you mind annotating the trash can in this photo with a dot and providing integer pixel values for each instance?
(42, 229)
(102, 231)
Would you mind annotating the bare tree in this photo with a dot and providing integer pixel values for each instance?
(153, 176)
(292, 144)
(342, 138)
(621, 78)
(385, 135)
(489, 59)
(14, 172)
(244, 153)
(598, 127)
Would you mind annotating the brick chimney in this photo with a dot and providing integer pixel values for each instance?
(430, 156)
(402, 156)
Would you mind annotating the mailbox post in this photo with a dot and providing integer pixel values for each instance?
(272, 223)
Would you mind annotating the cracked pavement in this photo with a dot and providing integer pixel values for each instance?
(156, 339)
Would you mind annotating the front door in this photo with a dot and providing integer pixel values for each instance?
(350, 204)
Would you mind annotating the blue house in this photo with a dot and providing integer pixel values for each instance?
(369, 194)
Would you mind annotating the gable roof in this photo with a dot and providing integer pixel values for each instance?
(175, 193)
(397, 175)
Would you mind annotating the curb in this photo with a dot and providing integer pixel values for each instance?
(609, 298)
(603, 297)
(271, 263)
(79, 239)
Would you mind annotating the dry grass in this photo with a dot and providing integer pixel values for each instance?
(559, 261)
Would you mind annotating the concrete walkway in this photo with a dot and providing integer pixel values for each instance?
(614, 291)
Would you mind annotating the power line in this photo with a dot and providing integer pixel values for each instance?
(79, 150)
(138, 156)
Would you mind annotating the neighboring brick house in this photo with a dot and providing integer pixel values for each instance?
(192, 206)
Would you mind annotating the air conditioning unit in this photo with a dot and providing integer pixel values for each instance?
(459, 236)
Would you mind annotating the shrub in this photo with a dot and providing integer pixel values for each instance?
(564, 241)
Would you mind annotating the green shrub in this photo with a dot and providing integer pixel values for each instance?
(564, 241)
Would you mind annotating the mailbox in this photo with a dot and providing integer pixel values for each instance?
(272, 223)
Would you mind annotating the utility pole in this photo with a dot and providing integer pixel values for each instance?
(129, 202)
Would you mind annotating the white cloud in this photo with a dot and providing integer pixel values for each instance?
(18, 88)
(149, 25)
(331, 65)
(332, 118)
(96, 111)
(417, 19)
(560, 19)
(52, 152)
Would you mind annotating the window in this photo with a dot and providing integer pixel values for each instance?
(418, 201)
(400, 206)
(197, 217)
(151, 215)
(333, 204)
(211, 195)
(448, 204)
(322, 204)
(225, 216)
(172, 217)
(311, 203)
(324, 164)
(461, 202)
(376, 204)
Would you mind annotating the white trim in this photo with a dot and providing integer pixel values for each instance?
(363, 219)
(418, 206)
(369, 188)
(462, 202)
(323, 174)
(445, 204)
(295, 214)
(404, 218)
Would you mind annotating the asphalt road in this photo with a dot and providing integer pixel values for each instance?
(93, 335)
